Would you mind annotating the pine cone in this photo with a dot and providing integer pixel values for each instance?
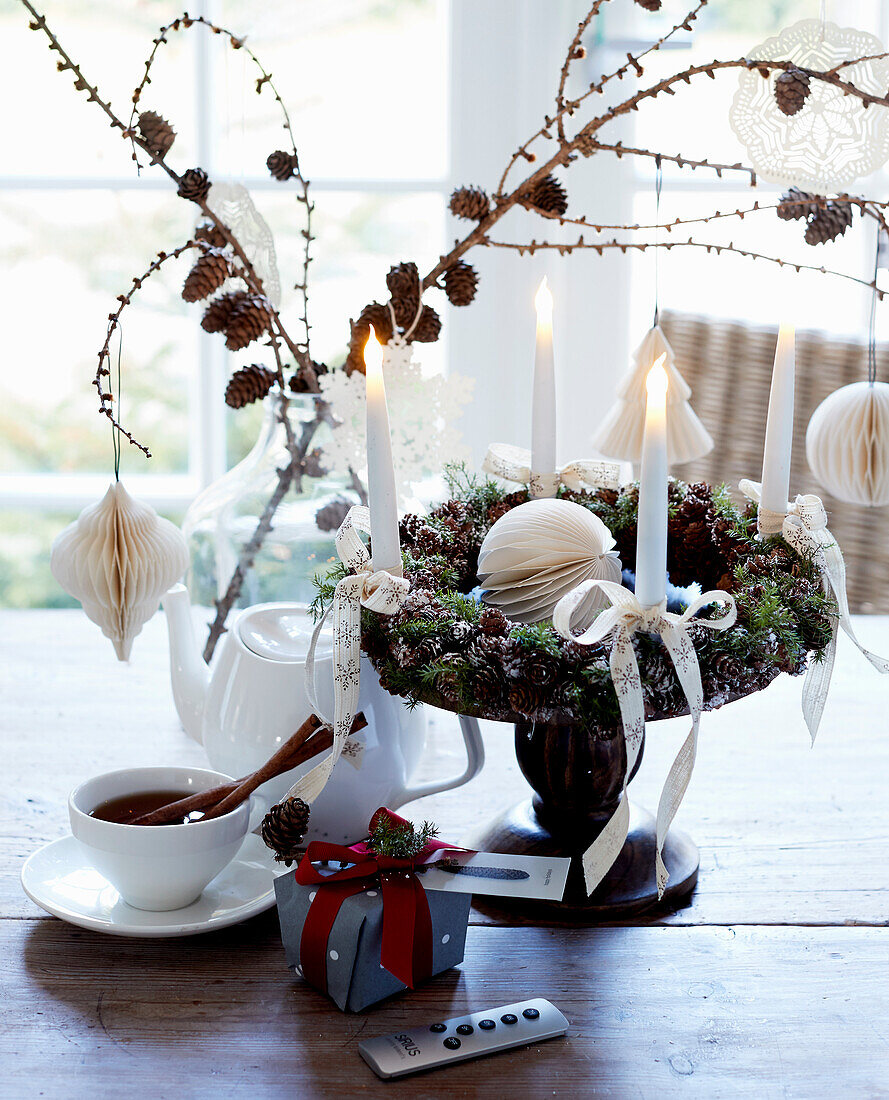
(405, 310)
(248, 320)
(194, 185)
(247, 385)
(493, 622)
(428, 327)
(281, 165)
(460, 283)
(470, 203)
(157, 133)
(381, 319)
(549, 196)
(284, 827)
(792, 89)
(525, 698)
(210, 234)
(649, 5)
(796, 204)
(299, 382)
(488, 686)
(403, 281)
(829, 223)
(207, 276)
(219, 311)
(331, 516)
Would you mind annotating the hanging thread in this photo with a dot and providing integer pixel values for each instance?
(658, 185)
(115, 433)
(872, 332)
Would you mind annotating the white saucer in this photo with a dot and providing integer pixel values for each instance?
(60, 880)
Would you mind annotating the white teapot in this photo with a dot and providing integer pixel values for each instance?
(253, 698)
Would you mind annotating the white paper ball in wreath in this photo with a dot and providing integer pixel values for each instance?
(847, 443)
(539, 552)
(833, 139)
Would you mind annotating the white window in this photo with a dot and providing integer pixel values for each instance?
(394, 102)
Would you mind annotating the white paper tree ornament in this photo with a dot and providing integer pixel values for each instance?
(118, 558)
(620, 434)
(847, 443)
(231, 203)
(539, 552)
(833, 139)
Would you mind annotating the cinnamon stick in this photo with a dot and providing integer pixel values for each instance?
(266, 772)
(307, 742)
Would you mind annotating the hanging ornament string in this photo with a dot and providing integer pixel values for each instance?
(872, 331)
(823, 19)
(115, 433)
(658, 186)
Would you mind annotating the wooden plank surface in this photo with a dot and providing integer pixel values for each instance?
(786, 999)
(654, 1012)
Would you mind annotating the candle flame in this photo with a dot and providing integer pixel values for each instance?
(543, 300)
(373, 356)
(657, 381)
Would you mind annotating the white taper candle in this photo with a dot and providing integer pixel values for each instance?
(651, 531)
(543, 408)
(779, 425)
(382, 497)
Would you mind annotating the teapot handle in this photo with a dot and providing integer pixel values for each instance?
(475, 760)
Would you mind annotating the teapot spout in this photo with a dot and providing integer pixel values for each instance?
(190, 676)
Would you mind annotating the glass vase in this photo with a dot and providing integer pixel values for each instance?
(300, 545)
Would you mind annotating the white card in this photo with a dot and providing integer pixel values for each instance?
(495, 873)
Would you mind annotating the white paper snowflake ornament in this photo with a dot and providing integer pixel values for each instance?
(620, 434)
(423, 410)
(118, 558)
(847, 443)
(231, 203)
(539, 552)
(833, 139)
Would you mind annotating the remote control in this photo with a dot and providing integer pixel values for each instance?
(463, 1037)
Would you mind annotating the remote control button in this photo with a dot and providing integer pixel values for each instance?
(451, 1043)
(530, 1013)
(486, 1025)
(439, 1027)
(465, 1029)
(509, 1018)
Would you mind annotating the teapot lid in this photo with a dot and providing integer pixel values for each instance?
(282, 632)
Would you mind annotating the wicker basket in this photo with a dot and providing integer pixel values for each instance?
(728, 366)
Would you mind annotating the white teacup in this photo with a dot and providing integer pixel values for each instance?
(156, 867)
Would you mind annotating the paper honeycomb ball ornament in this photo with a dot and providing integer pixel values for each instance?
(539, 552)
(831, 139)
(118, 558)
(847, 443)
(620, 434)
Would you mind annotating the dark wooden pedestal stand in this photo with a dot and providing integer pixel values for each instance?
(577, 779)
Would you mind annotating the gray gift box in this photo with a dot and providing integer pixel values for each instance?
(356, 979)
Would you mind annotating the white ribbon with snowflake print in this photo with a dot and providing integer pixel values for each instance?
(621, 621)
(804, 527)
(378, 591)
(514, 464)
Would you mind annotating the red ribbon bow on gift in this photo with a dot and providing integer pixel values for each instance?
(407, 924)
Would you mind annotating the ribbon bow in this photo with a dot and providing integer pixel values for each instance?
(804, 527)
(407, 923)
(621, 621)
(514, 464)
(377, 591)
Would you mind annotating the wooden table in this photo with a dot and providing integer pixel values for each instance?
(773, 982)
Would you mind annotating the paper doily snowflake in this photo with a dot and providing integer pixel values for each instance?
(231, 203)
(422, 412)
(833, 139)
